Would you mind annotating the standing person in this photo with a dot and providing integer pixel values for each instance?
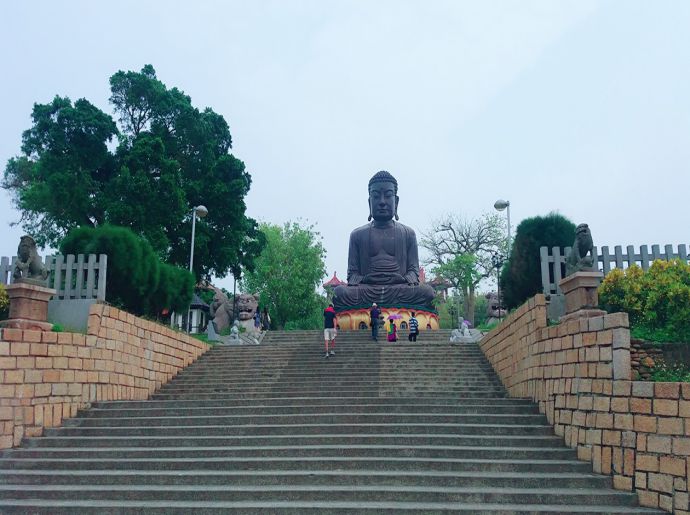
(265, 319)
(414, 328)
(374, 315)
(329, 331)
(392, 332)
(257, 320)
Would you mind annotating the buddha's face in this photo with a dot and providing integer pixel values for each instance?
(383, 201)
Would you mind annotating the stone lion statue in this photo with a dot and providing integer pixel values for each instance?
(247, 305)
(220, 310)
(580, 258)
(494, 308)
(29, 267)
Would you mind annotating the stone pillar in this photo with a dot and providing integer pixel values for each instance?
(581, 297)
(28, 306)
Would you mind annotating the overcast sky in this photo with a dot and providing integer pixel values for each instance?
(577, 106)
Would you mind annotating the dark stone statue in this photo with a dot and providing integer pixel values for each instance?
(580, 258)
(383, 266)
(29, 268)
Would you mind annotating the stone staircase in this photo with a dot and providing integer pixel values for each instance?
(276, 428)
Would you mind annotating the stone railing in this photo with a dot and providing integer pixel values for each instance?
(47, 376)
(579, 372)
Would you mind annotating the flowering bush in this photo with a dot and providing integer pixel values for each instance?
(656, 300)
(4, 302)
(677, 372)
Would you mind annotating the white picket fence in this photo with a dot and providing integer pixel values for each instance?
(553, 261)
(73, 277)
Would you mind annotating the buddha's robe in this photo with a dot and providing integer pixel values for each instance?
(383, 267)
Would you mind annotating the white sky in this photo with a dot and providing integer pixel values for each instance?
(577, 106)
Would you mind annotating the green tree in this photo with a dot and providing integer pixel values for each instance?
(170, 157)
(460, 251)
(287, 274)
(521, 276)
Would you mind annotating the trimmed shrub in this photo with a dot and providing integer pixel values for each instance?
(136, 279)
(521, 275)
(657, 301)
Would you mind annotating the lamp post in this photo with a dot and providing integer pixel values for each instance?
(497, 262)
(500, 205)
(201, 212)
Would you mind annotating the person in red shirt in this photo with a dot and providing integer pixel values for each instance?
(329, 331)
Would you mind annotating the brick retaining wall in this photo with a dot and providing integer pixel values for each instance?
(47, 376)
(579, 373)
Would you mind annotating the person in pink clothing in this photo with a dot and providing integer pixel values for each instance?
(392, 332)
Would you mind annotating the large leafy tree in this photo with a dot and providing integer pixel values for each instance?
(521, 277)
(287, 274)
(460, 249)
(80, 168)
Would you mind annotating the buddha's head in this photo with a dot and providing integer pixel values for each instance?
(383, 197)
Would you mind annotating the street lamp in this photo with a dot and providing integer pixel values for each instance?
(201, 212)
(497, 262)
(500, 205)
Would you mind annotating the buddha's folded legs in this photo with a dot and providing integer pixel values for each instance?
(386, 295)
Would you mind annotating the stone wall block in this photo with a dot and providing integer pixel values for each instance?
(667, 407)
(666, 390)
(621, 364)
(613, 320)
(622, 388)
(620, 338)
(681, 446)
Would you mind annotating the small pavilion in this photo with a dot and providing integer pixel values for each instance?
(331, 284)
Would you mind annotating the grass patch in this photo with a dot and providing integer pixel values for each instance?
(660, 335)
(485, 328)
(678, 372)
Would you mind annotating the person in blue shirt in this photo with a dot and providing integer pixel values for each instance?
(414, 328)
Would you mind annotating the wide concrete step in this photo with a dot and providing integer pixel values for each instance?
(334, 463)
(404, 390)
(309, 429)
(325, 477)
(334, 367)
(420, 451)
(321, 507)
(269, 402)
(338, 375)
(258, 386)
(312, 418)
(201, 439)
(350, 493)
(344, 385)
(340, 360)
(286, 394)
(218, 410)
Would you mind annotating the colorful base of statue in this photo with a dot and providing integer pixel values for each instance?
(359, 319)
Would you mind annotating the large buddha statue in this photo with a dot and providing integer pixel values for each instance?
(383, 265)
